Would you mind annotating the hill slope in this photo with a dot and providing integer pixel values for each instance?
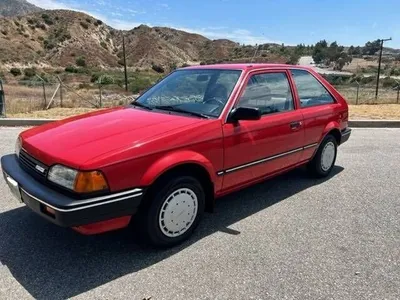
(58, 37)
(11, 8)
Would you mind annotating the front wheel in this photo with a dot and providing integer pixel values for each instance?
(175, 210)
(324, 160)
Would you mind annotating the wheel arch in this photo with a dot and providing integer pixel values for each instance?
(333, 128)
(182, 163)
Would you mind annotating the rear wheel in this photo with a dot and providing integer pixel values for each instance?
(174, 212)
(324, 160)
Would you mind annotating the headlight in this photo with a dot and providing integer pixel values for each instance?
(80, 182)
(18, 146)
(63, 176)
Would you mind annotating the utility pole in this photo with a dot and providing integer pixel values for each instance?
(126, 74)
(379, 66)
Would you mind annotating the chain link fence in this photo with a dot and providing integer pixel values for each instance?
(35, 95)
(27, 96)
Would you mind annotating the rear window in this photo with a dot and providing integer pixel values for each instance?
(311, 91)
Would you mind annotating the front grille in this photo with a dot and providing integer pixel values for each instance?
(32, 165)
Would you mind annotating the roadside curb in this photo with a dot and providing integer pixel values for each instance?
(375, 123)
(24, 122)
(354, 124)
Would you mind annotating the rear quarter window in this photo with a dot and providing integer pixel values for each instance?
(311, 92)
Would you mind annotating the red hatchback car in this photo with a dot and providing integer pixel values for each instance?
(160, 162)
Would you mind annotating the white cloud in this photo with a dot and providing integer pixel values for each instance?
(49, 4)
(243, 36)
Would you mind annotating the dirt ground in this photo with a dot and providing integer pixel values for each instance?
(357, 112)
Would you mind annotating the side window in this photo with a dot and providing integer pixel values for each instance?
(270, 92)
(311, 91)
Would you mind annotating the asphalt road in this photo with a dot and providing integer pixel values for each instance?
(288, 238)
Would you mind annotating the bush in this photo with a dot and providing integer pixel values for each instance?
(29, 72)
(106, 79)
(16, 23)
(84, 25)
(80, 61)
(15, 71)
(49, 44)
(95, 77)
(88, 20)
(42, 26)
(5, 32)
(98, 22)
(157, 68)
(71, 69)
(31, 21)
(369, 79)
(138, 84)
(389, 82)
(103, 44)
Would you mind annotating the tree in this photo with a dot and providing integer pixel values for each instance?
(371, 48)
(334, 55)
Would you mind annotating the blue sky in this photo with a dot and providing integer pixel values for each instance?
(250, 22)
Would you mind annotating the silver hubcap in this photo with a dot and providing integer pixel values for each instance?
(327, 156)
(178, 212)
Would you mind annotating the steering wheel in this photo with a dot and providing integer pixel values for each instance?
(214, 99)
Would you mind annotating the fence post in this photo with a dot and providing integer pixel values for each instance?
(2, 101)
(398, 91)
(358, 88)
(61, 94)
(44, 94)
(44, 90)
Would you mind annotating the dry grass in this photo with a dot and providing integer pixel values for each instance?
(379, 111)
(52, 113)
(366, 95)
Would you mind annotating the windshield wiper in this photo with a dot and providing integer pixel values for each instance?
(138, 104)
(177, 109)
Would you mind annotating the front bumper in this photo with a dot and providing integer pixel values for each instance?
(66, 211)
(345, 135)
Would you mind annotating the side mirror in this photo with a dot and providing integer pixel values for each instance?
(244, 113)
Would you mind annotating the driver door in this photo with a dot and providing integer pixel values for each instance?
(258, 148)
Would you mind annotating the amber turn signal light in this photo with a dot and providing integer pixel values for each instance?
(87, 182)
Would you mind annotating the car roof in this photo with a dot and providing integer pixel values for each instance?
(247, 66)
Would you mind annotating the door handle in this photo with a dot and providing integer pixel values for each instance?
(296, 125)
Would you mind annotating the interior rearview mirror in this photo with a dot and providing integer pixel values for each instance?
(245, 113)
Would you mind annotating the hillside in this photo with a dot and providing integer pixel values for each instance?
(58, 37)
(12, 8)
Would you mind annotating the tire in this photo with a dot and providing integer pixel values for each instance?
(160, 224)
(324, 160)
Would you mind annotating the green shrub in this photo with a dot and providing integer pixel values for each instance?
(49, 44)
(15, 71)
(138, 84)
(42, 26)
(56, 18)
(16, 22)
(84, 25)
(95, 77)
(106, 79)
(31, 21)
(88, 20)
(157, 68)
(389, 82)
(103, 44)
(29, 72)
(99, 22)
(71, 69)
(80, 61)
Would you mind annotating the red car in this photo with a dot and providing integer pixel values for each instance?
(160, 162)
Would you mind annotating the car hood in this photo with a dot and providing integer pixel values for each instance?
(76, 140)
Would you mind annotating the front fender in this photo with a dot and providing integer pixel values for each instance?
(174, 159)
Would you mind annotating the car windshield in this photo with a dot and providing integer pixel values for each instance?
(198, 92)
